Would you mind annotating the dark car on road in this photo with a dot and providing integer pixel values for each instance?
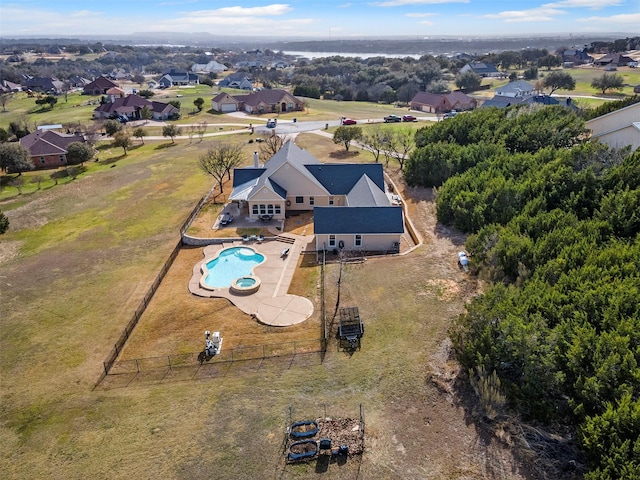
(409, 118)
(392, 118)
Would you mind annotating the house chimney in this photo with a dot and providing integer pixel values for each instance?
(256, 160)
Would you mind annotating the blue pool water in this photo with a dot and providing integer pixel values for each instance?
(232, 263)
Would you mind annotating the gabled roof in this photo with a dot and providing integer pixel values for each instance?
(516, 87)
(365, 193)
(269, 97)
(481, 67)
(131, 103)
(357, 220)
(341, 178)
(427, 98)
(101, 83)
(502, 101)
(48, 142)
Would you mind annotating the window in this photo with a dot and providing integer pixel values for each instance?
(330, 200)
(311, 201)
(270, 209)
(255, 210)
(358, 241)
(278, 210)
(42, 160)
(332, 240)
(62, 160)
(263, 209)
(299, 199)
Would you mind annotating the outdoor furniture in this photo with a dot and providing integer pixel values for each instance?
(253, 238)
(266, 218)
(245, 238)
(260, 238)
(351, 328)
(284, 253)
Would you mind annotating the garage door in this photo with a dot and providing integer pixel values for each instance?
(228, 107)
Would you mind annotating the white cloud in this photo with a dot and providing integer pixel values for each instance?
(267, 10)
(400, 3)
(428, 23)
(622, 19)
(530, 15)
(594, 4)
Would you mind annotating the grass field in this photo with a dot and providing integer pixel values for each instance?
(75, 264)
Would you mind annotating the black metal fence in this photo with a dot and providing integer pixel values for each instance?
(257, 352)
(117, 348)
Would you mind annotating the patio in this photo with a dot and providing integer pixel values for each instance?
(271, 304)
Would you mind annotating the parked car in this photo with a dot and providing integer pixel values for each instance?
(450, 114)
(271, 123)
(409, 118)
(392, 118)
(122, 119)
(347, 121)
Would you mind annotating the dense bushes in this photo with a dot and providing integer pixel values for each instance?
(554, 223)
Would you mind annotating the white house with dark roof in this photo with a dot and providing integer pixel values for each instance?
(519, 88)
(350, 207)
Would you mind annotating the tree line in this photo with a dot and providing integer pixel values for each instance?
(553, 219)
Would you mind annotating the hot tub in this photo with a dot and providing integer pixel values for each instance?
(245, 285)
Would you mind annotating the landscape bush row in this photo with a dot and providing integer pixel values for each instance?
(553, 219)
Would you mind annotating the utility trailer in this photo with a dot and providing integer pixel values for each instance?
(351, 328)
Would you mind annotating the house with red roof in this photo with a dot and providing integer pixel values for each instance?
(99, 86)
(131, 107)
(48, 148)
(442, 102)
(263, 101)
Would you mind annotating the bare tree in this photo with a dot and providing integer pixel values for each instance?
(4, 99)
(404, 141)
(374, 141)
(202, 128)
(271, 144)
(219, 160)
(92, 133)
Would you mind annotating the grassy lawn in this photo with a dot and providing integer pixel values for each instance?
(75, 264)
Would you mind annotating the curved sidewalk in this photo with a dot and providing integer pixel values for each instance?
(271, 304)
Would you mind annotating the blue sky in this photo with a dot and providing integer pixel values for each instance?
(338, 19)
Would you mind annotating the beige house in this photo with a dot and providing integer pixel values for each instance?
(263, 101)
(619, 128)
(350, 207)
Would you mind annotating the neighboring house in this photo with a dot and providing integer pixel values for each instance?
(99, 86)
(613, 60)
(619, 128)
(223, 102)
(9, 87)
(175, 78)
(76, 81)
(211, 67)
(119, 74)
(442, 102)
(576, 57)
(43, 84)
(350, 207)
(241, 80)
(249, 64)
(264, 101)
(48, 148)
(131, 107)
(482, 69)
(519, 88)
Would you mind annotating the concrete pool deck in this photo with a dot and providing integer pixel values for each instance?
(271, 304)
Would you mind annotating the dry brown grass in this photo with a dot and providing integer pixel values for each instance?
(82, 268)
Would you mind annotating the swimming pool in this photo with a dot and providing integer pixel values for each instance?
(228, 265)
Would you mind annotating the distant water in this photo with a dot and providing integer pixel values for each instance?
(313, 55)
